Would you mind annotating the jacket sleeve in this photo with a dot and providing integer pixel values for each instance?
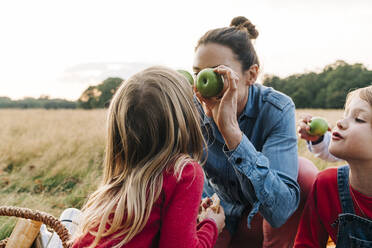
(271, 173)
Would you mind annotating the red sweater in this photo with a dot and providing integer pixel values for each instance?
(322, 209)
(172, 221)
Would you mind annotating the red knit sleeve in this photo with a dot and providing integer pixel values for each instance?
(311, 230)
(179, 228)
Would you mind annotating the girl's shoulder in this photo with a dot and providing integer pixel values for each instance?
(190, 173)
(190, 167)
(189, 180)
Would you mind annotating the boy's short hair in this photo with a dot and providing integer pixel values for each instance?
(364, 94)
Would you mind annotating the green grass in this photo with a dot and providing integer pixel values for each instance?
(6, 226)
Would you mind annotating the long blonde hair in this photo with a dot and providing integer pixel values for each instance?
(153, 125)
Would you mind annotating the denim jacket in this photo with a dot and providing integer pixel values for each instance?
(262, 171)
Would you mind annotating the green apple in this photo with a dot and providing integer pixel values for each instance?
(209, 83)
(187, 75)
(318, 126)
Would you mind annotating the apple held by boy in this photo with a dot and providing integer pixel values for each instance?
(209, 83)
(318, 126)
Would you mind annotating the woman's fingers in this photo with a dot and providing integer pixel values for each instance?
(230, 85)
(229, 76)
(230, 79)
(208, 102)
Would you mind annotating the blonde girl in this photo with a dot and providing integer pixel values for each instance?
(152, 183)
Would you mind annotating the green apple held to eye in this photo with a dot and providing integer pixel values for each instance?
(318, 126)
(209, 83)
(187, 75)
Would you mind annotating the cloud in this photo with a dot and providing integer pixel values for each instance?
(95, 73)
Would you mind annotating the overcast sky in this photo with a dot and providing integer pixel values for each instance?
(58, 48)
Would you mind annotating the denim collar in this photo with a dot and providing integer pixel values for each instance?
(250, 109)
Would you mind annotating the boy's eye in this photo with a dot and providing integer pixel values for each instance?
(359, 120)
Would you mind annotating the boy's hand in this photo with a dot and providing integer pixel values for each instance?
(304, 128)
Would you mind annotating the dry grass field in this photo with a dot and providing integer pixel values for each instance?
(52, 159)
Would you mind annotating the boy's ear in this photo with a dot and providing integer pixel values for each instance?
(251, 75)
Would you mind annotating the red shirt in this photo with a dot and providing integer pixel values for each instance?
(322, 209)
(172, 222)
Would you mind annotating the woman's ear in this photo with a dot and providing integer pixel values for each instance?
(251, 75)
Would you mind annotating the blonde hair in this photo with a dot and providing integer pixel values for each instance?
(364, 94)
(153, 125)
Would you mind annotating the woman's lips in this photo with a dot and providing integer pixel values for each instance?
(336, 136)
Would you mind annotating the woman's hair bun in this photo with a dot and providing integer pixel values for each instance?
(241, 22)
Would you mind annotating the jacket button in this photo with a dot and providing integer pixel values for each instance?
(238, 160)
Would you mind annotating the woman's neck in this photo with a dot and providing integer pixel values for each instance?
(241, 107)
(360, 176)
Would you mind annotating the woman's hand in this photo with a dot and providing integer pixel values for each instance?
(223, 108)
(304, 128)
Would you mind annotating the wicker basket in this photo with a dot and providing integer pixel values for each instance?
(45, 218)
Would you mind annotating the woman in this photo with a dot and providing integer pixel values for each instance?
(252, 161)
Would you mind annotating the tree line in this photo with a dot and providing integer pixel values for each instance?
(325, 89)
(41, 102)
(98, 96)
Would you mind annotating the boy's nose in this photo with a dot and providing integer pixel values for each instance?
(341, 124)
